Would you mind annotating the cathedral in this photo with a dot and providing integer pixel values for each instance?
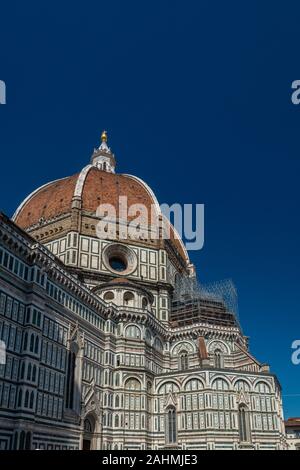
(109, 342)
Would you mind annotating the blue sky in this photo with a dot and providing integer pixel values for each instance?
(196, 98)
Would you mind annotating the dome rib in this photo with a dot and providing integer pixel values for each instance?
(48, 201)
(92, 187)
(30, 196)
(148, 189)
(81, 181)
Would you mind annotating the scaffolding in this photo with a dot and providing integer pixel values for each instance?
(210, 303)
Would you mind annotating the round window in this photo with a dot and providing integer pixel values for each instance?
(109, 296)
(117, 263)
(119, 259)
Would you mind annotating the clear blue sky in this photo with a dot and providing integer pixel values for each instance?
(196, 98)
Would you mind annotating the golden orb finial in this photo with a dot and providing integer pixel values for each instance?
(104, 136)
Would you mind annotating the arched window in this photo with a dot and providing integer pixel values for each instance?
(22, 371)
(116, 421)
(128, 299)
(242, 385)
(25, 342)
(31, 400)
(220, 384)
(133, 401)
(31, 342)
(15, 443)
(29, 372)
(133, 384)
(262, 387)
(244, 429)
(148, 336)
(108, 296)
(36, 347)
(168, 387)
(218, 359)
(27, 315)
(117, 380)
(28, 441)
(171, 425)
(26, 399)
(158, 344)
(183, 360)
(20, 398)
(133, 332)
(34, 373)
(193, 384)
(22, 440)
(117, 401)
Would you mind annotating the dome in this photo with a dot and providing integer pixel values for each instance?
(97, 184)
(93, 187)
(47, 202)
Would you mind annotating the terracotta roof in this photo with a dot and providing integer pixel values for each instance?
(105, 188)
(93, 187)
(100, 187)
(47, 202)
(292, 423)
(121, 280)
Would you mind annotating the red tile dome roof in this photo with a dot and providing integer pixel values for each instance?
(91, 187)
(99, 187)
(47, 202)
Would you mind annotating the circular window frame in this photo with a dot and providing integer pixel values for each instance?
(128, 256)
(107, 294)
